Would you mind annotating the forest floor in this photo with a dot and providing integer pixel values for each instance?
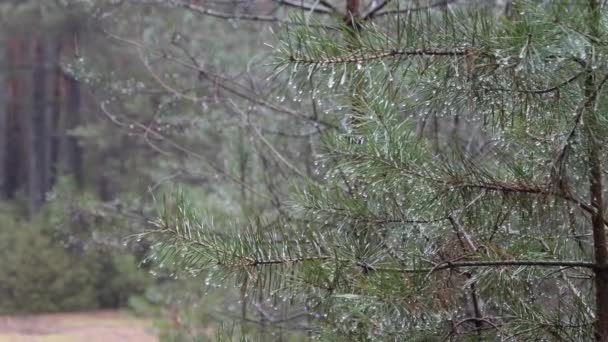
(93, 326)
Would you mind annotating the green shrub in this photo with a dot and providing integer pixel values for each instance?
(119, 278)
(38, 274)
(71, 257)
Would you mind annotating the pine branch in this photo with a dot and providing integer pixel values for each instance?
(522, 189)
(486, 185)
(541, 91)
(490, 263)
(253, 262)
(360, 58)
(344, 213)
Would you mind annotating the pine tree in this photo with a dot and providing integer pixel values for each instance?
(464, 200)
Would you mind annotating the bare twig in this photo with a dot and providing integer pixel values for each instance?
(307, 6)
(375, 12)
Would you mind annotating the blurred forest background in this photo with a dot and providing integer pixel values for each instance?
(114, 113)
(110, 108)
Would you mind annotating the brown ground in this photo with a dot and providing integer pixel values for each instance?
(95, 326)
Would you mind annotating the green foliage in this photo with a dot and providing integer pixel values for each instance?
(69, 258)
(38, 274)
(119, 276)
(410, 236)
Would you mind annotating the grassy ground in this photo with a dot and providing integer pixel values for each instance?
(76, 327)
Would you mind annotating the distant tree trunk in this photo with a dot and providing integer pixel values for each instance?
(40, 106)
(39, 175)
(70, 106)
(104, 184)
(15, 154)
(56, 116)
(49, 63)
(33, 122)
(3, 120)
(70, 147)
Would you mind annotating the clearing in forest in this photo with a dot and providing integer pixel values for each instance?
(75, 327)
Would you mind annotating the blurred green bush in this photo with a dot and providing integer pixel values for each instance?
(38, 274)
(71, 257)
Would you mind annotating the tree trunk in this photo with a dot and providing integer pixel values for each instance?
(33, 119)
(40, 125)
(15, 154)
(3, 120)
(49, 64)
(69, 99)
(56, 115)
(595, 185)
(352, 8)
(72, 147)
(599, 233)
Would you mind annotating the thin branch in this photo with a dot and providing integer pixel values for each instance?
(523, 189)
(577, 119)
(259, 134)
(178, 147)
(375, 13)
(541, 91)
(224, 83)
(493, 263)
(328, 5)
(376, 9)
(374, 220)
(448, 265)
(260, 18)
(359, 58)
(306, 6)
(495, 186)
